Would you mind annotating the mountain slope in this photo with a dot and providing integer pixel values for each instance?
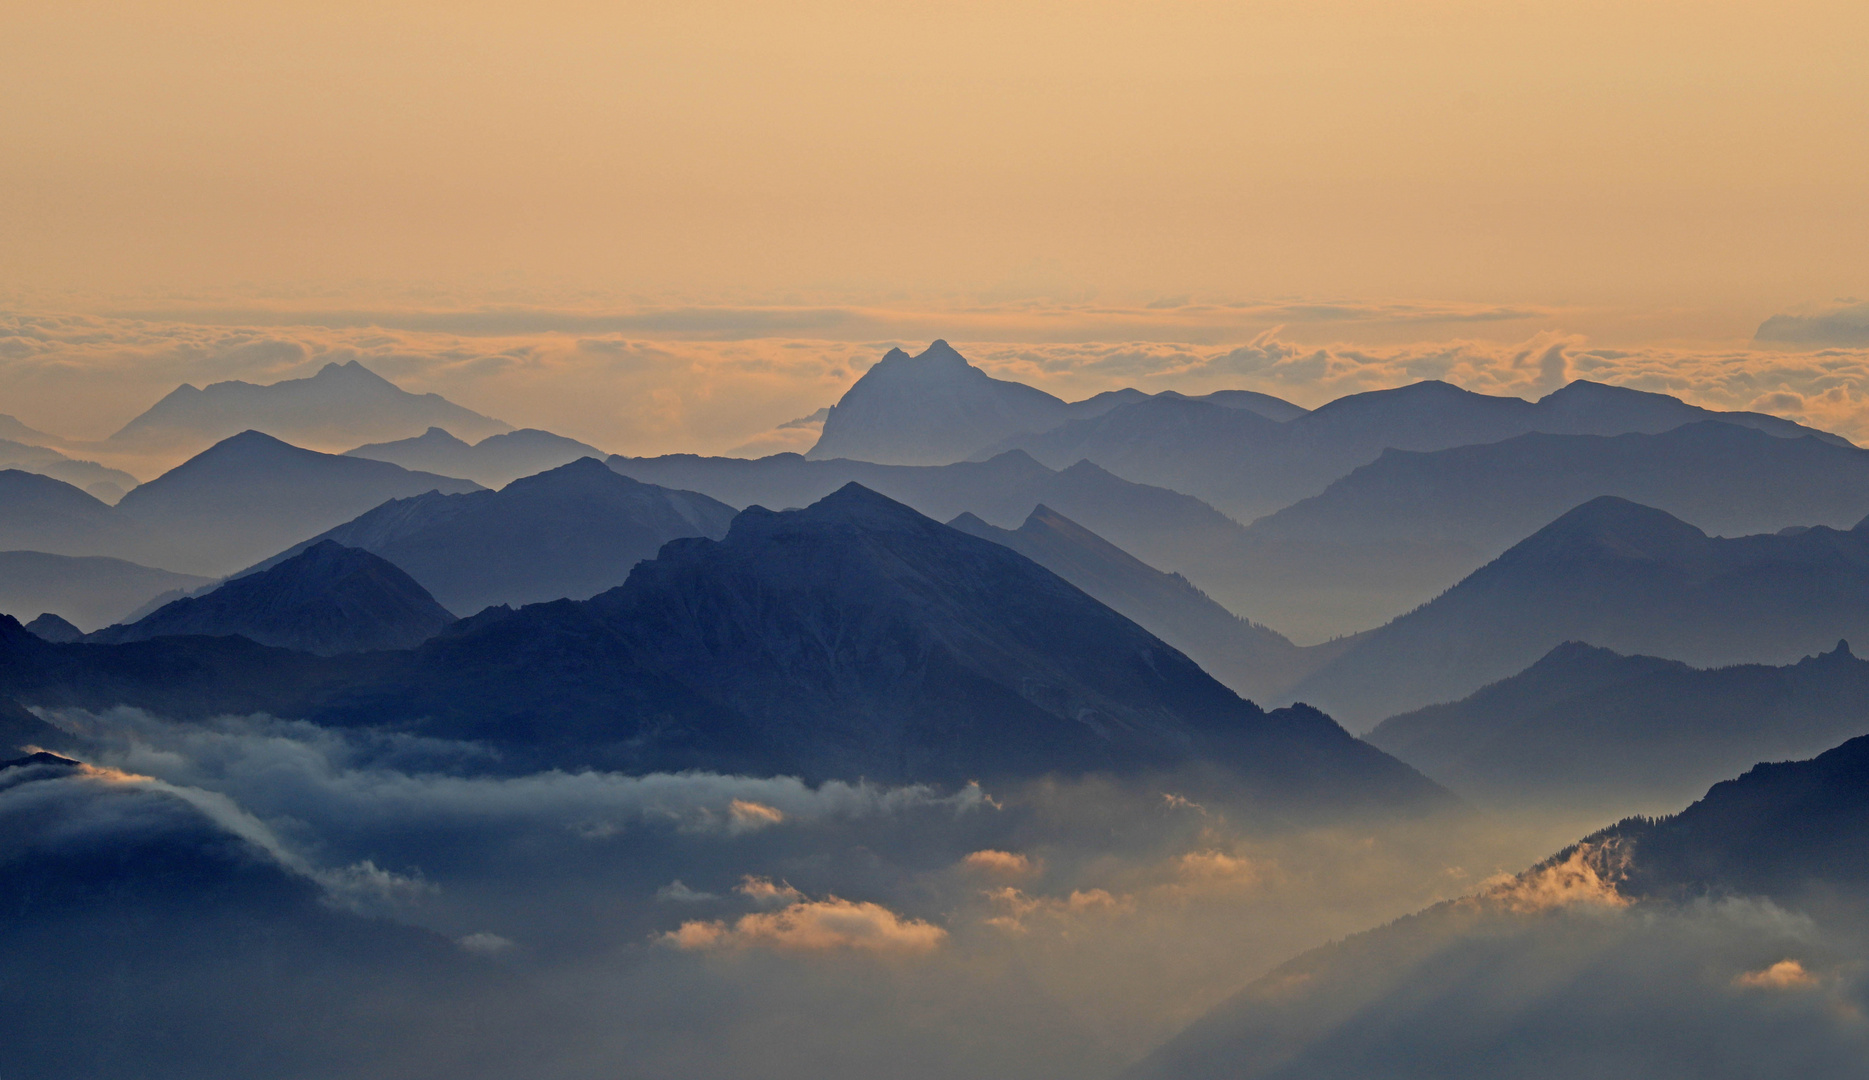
(1163, 528)
(1722, 941)
(1590, 729)
(1249, 469)
(852, 639)
(1249, 658)
(1396, 532)
(1619, 575)
(38, 513)
(248, 496)
(90, 590)
(341, 405)
(495, 461)
(327, 599)
(570, 532)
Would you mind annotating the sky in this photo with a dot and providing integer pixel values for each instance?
(751, 201)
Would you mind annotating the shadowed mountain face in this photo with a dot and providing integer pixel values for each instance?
(1395, 533)
(495, 461)
(1724, 941)
(1589, 729)
(88, 590)
(1165, 529)
(105, 484)
(571, 532)
(20, 729)
(855, 638)
(327, 599)
(1618, 575)
(342, 405)
(1247, 468)
(221, 961)
(1252, 660)
(251, 495)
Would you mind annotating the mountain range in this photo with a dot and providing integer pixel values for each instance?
(570, 532)
(1615, 574)
(1165, 529)
(1701, 944)
(1249, 466)
(855, 638)
(495, 461)
(1397, 532)
(250, 495)
(38, 513)
(1252, 660)
(341, 405)
(1589, 729)
(327, 599)
(88, 590)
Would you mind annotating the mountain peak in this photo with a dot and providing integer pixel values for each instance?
(327, 599)
(1616, 526)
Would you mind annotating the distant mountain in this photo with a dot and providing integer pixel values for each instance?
(38, 513)
(328, 599)
(251, 495)
(1619, 575)
(855, 638)
(1586, 728)
(1643, 952)
(568, 533)
(54, 629)
(341, 405)
(12, 430)
(1397, 532)
(1249, 658)
(936, 408)
(1247, 468)
(89, 590)
(931, 409)
(495, 461)
(1165, 529)
(99, 482)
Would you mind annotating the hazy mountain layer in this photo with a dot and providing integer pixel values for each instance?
(495, 461)
(1395, 533)
(570, 532)
(1251, 659)
(89, 590)
(1247, 468)
(251, 495)
(327, 599)
(38, 513)
(855, 638)
(1586, 728)
(97, 481)
(341, 405)
(1619, 575)
(1165, 529)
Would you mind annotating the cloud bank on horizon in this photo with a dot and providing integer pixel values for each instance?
(748, 381)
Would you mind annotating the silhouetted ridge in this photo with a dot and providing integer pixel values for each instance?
(327, 599)
(569, 532)
(52, 628)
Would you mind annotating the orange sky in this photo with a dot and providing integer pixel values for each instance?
(1700, 154)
